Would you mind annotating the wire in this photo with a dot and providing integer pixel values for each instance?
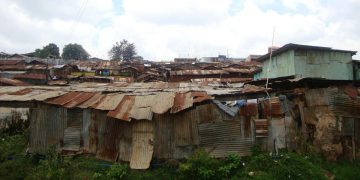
(78, 16)
(271, 51)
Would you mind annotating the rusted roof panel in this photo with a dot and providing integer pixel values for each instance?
(110, 102)
(162, 102)
(97, 97)
(38, 95)
(122, 111)
(200, 96)
(79, 99)
(12, 82)
(222, 80)
(47, 95)
(238, 70)
(182, 101)
(252, 89)
(30, 76)
(197, 72)
(142, 107)
(21, 92)
(62, 100)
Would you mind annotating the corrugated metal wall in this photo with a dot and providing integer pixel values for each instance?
(72, 132)
(221, 138)
(38, 129)
(166, 136)
(142, 144)
(56, 121)
(47, 125)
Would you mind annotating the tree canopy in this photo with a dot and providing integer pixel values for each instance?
(122, 50)
(74, 51)
(50, 50)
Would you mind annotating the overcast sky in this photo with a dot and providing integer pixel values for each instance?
(164, 29)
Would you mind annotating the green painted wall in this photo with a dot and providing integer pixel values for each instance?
(310, 63)
(281, 65)
(324, 64)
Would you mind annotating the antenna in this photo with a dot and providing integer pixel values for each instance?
(271, 50)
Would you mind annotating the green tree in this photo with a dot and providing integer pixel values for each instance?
(122, 50)
(47, 51)
(74, 51)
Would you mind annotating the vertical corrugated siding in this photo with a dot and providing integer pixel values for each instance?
(164, 128)
(72, 133)
(184, 128)
(142, 144)
(125, 142)
(86, 121)
(37, 129)
(221, 138)
(55, 124)
(95, 132)
(108, 150)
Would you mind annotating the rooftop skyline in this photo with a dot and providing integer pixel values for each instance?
(163, 30)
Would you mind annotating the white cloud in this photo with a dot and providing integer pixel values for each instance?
(163, 29)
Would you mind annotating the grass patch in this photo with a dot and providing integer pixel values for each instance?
(15, 163)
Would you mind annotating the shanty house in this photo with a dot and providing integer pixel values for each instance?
(303, 61)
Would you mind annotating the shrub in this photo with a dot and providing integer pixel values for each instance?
(52, 167)
(116, 171)
(199, 165)
(284, 166)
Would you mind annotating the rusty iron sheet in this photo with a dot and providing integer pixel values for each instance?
(222, 138)
(21, 92)
(30, 76)
(141, 108)
(123, 109)
(110, 102)
(162, 102)
(64, 99)
(47, 95)
(351, 91)
(142, 144)
(250, 109)
(12, 82)
(181, 101)
(197, 72)
(272, 107)
(221, 80)
(38, 95)
(252, 89)
(97, 97)
(200, 97)
(82, 97)
(238, 70)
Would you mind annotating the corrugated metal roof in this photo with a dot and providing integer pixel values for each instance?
(162, 102)
(38, 95)
(122, 111)
(97, 97)
(182, 101)
(197, 72)
(64, 99)
(79, 99)
(110, 102)
(12, 82)
(141, 108)
(30, 76)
